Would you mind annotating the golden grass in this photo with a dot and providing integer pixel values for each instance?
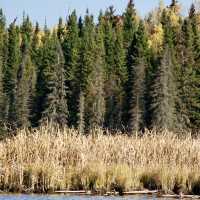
(49, 159)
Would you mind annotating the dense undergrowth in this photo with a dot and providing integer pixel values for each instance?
(49, 159)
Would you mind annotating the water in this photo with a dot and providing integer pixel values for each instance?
(65, 197)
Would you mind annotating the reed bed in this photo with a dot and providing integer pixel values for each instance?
(49, 159)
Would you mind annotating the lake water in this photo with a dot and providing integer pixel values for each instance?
(64, 197)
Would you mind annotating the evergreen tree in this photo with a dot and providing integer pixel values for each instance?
(116, 78)
(130, 23)
(71, 47)
(25, 77)
(36, 59)
(56, 110)
(35, 45)
(2, 62)
(174, 3)
(137, 62)
(163, 94)
(86, 66)
(120, 72)
(10, 71)
(192, 63)
(115, 70)
(60, 30)
(41, 89)
(188, 91)
(95, 96)
(2, 96)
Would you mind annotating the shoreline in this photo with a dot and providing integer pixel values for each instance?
(154, 193)
(49, 160)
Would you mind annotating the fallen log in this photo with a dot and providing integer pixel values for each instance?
(111, 193)
(141, 192)
(72, 192)
(175, 196)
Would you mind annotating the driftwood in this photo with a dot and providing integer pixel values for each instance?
(180, 196)
(141, 192)
(72, 192)
(84, 192)
(150, 192)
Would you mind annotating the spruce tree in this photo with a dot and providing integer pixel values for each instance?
(3, 104)
(86, 66)
(60, 30)
(10, 71)
(41, 89)
(137, 63)
(35, 45)
(117, 77)
(95, 96)
(36, 59)
(188, 92)
(163, 94)
(55, 108)
(130, 23)
(115, 70)
(26, 76)
(193, 40)
(2, 96)
(71, 48)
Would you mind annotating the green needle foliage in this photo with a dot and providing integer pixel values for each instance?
(163, 94)
(137, 64)
(120, 72)
(56, 110)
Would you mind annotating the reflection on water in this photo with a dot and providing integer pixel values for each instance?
(65, 197)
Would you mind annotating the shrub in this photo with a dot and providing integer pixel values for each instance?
(196, 187)
(151, 181)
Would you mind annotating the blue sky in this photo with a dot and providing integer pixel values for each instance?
(53, 9)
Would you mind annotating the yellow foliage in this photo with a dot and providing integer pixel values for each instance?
(174, 18)
(156, 38)
(40, 35)
(198, 20)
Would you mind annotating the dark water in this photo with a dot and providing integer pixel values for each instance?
(64, 197)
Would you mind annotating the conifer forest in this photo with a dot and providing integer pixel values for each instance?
(120, 72)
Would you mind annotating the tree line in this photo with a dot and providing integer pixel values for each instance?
(120, 73)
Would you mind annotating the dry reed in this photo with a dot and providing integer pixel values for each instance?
(48, 159)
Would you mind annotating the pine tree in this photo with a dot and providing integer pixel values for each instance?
(41, 90)
(10, 71)
(163, 94)
(71, 48)
(192, 11)
(35, 45)
(137, 102)
(116, 78)
(56, 110)
(173, 3)
(2, 59)
(86, 66)
(137, 62)
(109, 38)
(130, 23)
(115, 70)
(36, 59)
(2, 96)
(193, 41)
(60, 30)
(188, 91)
(26, 76)
(95, 97)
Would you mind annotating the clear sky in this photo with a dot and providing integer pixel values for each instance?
(53, 9)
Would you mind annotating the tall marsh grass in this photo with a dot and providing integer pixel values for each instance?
(49, 159)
